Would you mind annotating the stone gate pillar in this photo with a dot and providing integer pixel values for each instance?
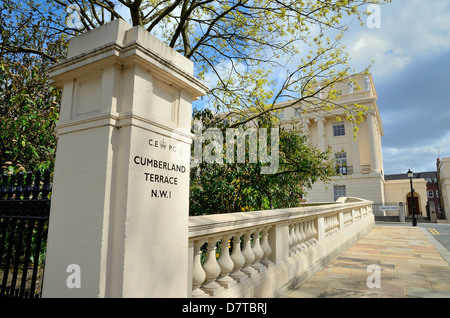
(119, 211)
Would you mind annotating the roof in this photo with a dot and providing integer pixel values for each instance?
(416, 175)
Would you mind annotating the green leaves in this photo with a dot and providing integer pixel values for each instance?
(236, 187)
(29, 105)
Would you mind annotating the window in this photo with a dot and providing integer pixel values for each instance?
(430, 194)
(339, 191)
(437, 193)
(341, 163)
(338, 129)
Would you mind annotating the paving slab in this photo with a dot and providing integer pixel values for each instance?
(389, 262)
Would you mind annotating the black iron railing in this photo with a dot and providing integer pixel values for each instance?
(24, 215)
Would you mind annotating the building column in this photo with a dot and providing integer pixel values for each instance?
(356, 156)
(320, 132)
(304, 126)
(374, 153)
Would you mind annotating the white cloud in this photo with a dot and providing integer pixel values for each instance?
(387, 56)
(418, 158)
(409, 29)
(421, 26)
(410, 53)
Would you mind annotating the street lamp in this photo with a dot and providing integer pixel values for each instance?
(410, 176)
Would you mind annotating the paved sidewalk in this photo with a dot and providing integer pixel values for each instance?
(411, 262)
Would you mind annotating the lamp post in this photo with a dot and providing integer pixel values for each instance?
(410, 176)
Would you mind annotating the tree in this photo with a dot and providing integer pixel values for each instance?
(29, 105)
(235, 187)
(252, 53)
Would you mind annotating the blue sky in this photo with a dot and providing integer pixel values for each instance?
(411, 71)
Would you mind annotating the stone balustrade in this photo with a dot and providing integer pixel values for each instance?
(266, 253)
(123, 91)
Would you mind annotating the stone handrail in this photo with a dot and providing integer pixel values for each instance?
(270, 243)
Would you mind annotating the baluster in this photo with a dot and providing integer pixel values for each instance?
(314, 231)
(303, 234)
(298, 246)
(312, 239)
(292, 240)
(198, 273)
(327, 226)
(238, 259)
(336, 224)
(266, 247)
(289, 240)
(307, 233)
(225, 263)
(333, 225)
(298, 238)
(248, 254)
(258, 251)
(212, 269)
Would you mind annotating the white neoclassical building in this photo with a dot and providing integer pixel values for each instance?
(359, 160)
(443, 176)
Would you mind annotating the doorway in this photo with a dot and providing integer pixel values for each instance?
(416, 204)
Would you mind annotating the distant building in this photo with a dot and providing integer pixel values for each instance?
(443, 176)
(426, 194)
(359, 161)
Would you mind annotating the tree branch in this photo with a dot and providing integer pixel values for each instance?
(17, 49)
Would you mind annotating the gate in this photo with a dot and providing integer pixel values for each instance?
(24, 215)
